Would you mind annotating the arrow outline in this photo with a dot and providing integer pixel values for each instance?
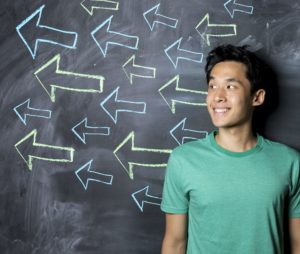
(238, 10)
(89, 127)
(85, 186)
(24, 120)
(141, 206)
(91, 12)
(129, 171)
(173, 106)
(182, 122)
(67, 73)
(35, 144)
(157, 21)
(112, 32)
(39, 11)
(115, 118)
(207, 39)
(130, 77)
(184, 50)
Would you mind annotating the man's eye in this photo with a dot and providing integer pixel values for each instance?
(212, 86)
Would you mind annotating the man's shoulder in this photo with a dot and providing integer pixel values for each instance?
(191, 146)
(281, 149)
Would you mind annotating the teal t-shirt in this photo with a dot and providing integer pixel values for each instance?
(236, 201)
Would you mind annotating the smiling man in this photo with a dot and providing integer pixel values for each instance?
(234, 191)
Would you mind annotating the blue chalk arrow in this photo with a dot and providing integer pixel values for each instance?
(86, 175)
(81, 130)
(175, 53)
(231, 6)
(183, 135)
(23, 110)
(103, 37)
(141, 197)
(152, 17)
(32, 33)
(113, 106)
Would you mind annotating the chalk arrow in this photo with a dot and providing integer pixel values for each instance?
(142, 196)
(51, 78)
(207, 30)
(173, 94)
(183, 135)
(152, 17)
(29, 149)
(129, 155)
(113, 106)
(81, 130)
(32, 33)
(24, 110)
(231, 6)
(174, 52)
(85, 175)
(103, 37)
(133, 70)
(91, 5)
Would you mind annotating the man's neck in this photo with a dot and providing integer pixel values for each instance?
(236, 140)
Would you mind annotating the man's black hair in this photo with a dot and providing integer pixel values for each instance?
(255, 67)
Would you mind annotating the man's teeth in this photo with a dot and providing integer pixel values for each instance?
(220, 110)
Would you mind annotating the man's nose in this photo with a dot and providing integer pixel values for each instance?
(220, 95)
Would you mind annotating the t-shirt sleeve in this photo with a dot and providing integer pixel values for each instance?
(174, 199)
(294, 202)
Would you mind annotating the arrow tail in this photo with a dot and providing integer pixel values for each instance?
(43, 113)
(190, 55)
(244, 8)
(124, 40)
(59, 37)
(100, 177)
(133, 107)
(167, 21)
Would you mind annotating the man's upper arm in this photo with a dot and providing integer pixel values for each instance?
(176, 225)
(294, 227)
(175, 238)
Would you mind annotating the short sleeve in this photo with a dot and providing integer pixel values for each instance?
(294, 201)
(174, 199)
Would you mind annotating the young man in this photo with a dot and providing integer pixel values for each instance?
(234, 191)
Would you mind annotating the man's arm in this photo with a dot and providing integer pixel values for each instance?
(294, 228)
(175, 238)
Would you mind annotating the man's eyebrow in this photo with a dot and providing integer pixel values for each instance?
(234, 80)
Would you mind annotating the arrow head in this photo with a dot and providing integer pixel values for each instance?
(21, 110)
(121, 153)
(150, 16)
(109, 105)
(177, 132)
(83, 174)
(128, 68)
(172, 52)
(202, 28)
(88, 6)
(168, 92)
(140, 196)
(24, 147)
(27, 30)
(230, 6)
(46, 71)
(79, 130)
(100, 35)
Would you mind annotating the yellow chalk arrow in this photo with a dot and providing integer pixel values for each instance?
(129, 155)
(51, 78)
(29, 149)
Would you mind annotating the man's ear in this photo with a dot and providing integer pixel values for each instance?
(258, 97)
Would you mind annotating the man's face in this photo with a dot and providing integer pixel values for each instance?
(229, 100)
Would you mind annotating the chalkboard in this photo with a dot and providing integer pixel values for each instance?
(94, 96)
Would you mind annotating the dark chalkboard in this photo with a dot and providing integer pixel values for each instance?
(95, 95)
